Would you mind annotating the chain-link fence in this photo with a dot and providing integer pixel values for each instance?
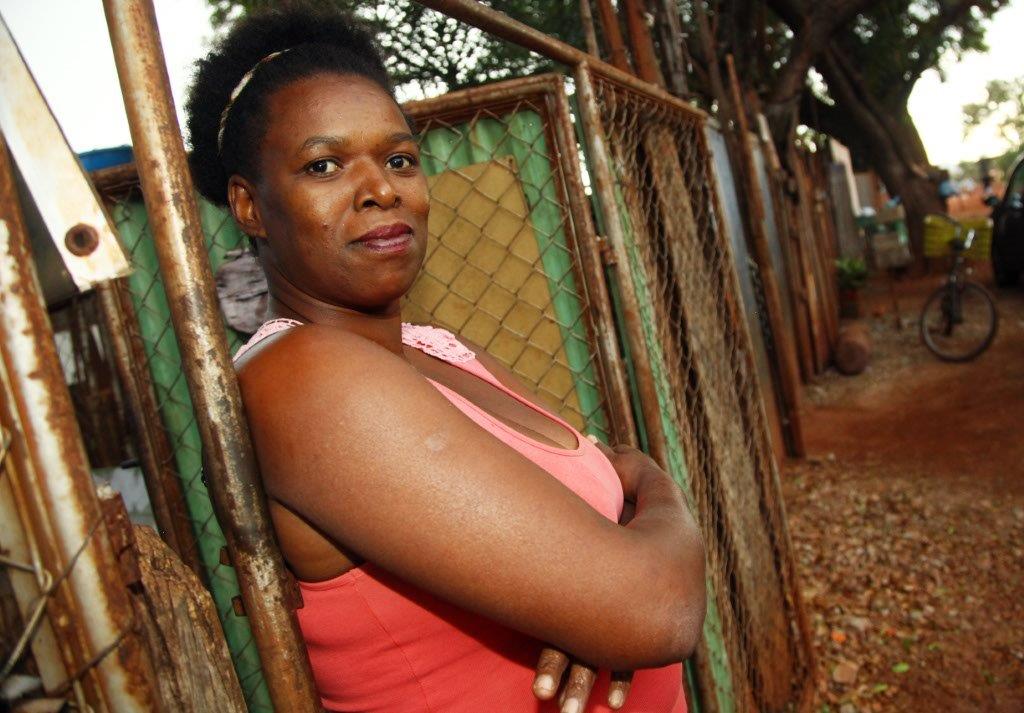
(681, 269)
(502, 266)
(163, 365)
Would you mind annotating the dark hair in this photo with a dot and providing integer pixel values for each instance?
(312, 41)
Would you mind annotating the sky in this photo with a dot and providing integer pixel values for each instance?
(66, 45)
(936, 105)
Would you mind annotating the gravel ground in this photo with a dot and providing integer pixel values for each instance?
(908, 522)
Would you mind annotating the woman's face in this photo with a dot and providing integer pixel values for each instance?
(341, 202)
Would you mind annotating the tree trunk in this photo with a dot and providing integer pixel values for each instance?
(886, 137)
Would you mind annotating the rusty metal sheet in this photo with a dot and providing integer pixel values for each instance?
(69, 206)
(61, 499)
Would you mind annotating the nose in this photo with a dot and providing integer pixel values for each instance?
(374, 188)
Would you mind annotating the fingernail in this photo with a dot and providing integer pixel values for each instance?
(544, 685)
(571, 706)
(592, 437)
(616, 699)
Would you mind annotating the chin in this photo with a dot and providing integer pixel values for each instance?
(385, 297)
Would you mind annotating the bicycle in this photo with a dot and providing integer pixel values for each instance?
(959, 319)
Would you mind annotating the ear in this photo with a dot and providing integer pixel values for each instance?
(242, 200)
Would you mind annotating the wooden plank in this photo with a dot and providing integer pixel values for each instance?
(784, 228)
(176, 615)
(786, 368)
(805, 245)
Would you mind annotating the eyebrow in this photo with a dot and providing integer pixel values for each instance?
(339, 141)
(321, 141)
(400, 137)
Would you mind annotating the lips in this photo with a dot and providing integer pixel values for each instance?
(393, 238)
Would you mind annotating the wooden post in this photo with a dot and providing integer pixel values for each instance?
(804, 243)
(613, 35)
(673, 46)
(589, 32)
(641, 44)
(784, 226)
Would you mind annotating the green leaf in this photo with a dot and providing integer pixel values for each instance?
(901, 667)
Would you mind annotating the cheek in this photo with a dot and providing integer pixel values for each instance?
(418, 197)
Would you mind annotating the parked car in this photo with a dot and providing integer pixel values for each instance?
(1008, 229)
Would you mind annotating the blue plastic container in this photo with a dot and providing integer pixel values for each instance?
(105, 158)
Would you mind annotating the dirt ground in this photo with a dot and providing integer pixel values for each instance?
(908, 520)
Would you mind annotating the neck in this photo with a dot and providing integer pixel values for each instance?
(289, 301)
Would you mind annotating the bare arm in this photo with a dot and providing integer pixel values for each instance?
(358, 443)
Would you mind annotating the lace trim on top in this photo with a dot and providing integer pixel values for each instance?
(434, 341)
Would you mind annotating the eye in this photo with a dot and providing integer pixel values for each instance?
(323, 167)
(399, 162)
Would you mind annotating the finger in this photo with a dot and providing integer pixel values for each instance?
(619, 689)
(577, 688)
(550, 667)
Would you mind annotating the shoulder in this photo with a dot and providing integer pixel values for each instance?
(311, 358)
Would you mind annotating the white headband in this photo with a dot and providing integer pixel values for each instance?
(238, 90)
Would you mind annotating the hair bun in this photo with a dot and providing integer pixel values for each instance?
(315, 39)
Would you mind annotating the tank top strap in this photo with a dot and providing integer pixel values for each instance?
(435, 341)
(266, 329)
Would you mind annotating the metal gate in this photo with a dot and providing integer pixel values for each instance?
(653, 174)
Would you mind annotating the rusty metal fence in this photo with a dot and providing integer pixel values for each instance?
(677, 261)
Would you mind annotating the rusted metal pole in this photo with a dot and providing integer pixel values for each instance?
(592, 267)
(501, 25)
(604, 184)
(152, 448)
(589, 32)
(18, 543)
(66, 202)
(784, 227)
(640, 42)
(787, 367)
(467, 100)
(267, 590)
(54, 474)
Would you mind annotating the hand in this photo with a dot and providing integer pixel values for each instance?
(630, 464)
(578, 684)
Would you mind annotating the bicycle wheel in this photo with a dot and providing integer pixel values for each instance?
(959, 323)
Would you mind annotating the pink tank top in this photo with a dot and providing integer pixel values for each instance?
(379, 644)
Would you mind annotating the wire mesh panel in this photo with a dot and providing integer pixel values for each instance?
(176, 412)
(503, 265)
(681, 269)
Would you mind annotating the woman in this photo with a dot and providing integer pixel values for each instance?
(441, 524)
